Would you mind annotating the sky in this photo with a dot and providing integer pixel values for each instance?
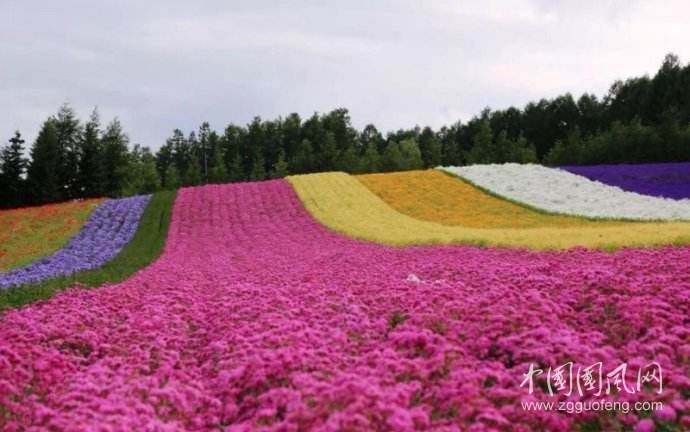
(160, 65)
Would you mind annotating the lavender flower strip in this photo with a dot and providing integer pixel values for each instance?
(668, 180)
(111, 226)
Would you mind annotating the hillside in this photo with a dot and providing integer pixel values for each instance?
(335, 302)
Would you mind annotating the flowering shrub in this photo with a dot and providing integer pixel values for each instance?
(344, 204)
(32, 232)
(437, 197)
(111, 226)
(669, 180)
(559, 191)
(287, 326)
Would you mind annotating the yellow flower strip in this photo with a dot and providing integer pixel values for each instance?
(436, 197)
(342, 203)
(30, 233)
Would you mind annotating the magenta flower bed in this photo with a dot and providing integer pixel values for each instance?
(669, 180)
(256, 317)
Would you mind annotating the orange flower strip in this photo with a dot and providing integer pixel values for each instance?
(436, 197)
(27, 234)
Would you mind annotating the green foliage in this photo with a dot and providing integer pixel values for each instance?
(430, 148)
(488, 148)
(329, 153)
(43, 180)
(144, 248)
(193, 176)
(172, 178)
(92, 178)
(12, 169)
(219, 172)
(69, 133)
(402, 156)
(642, 119)
(348, 161)
(258, 170)
(303, 160)
(281, 167)
(235, 171)
(371, 159)
(142, 175)
(115, 158)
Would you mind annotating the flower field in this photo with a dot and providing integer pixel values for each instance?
(342, 203)
(559, 191)
(669, 180)
(289, 326)
(267, 310)
(110, 227)
(30, 233)
(436, 197)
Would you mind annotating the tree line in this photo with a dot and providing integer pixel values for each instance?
(643, 119)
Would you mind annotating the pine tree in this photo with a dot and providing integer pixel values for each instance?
(43, 178)
(12, 169)
(411, 156)
(181, 152)
(194, 175)
(281, 168)
(69, 135)
(483, 150)
(91, 175)
(391, 160)
(164, 158)
(347, 161)
(142, 176)
(219, 172)
(258, 170)
(430, 147)
(116, 158)
(329, 153)
(235, 171)
(303, 160)
(172, 177)
(371, 160)
(150, 180)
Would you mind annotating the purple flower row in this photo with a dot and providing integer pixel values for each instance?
(110, 227)
(669, 180)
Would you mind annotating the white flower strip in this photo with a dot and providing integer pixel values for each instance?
(557, 191)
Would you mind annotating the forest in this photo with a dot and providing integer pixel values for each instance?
(640, 119)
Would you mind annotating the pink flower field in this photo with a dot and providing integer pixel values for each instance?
(257, 317)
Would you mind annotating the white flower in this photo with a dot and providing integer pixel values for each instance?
(559, 191)
(413, 278)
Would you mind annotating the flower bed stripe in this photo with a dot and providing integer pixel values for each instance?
(258, 318)
(345, 205)
(435, 196)
(668, 180)
(558, 191)
(111, 226)
(27, 234)
(142, 250)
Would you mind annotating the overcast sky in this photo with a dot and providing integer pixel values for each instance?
(160, 65)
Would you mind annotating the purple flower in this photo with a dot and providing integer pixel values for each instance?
(669, 180)
(111, 226)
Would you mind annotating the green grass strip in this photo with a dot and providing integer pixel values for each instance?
(144, 248)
